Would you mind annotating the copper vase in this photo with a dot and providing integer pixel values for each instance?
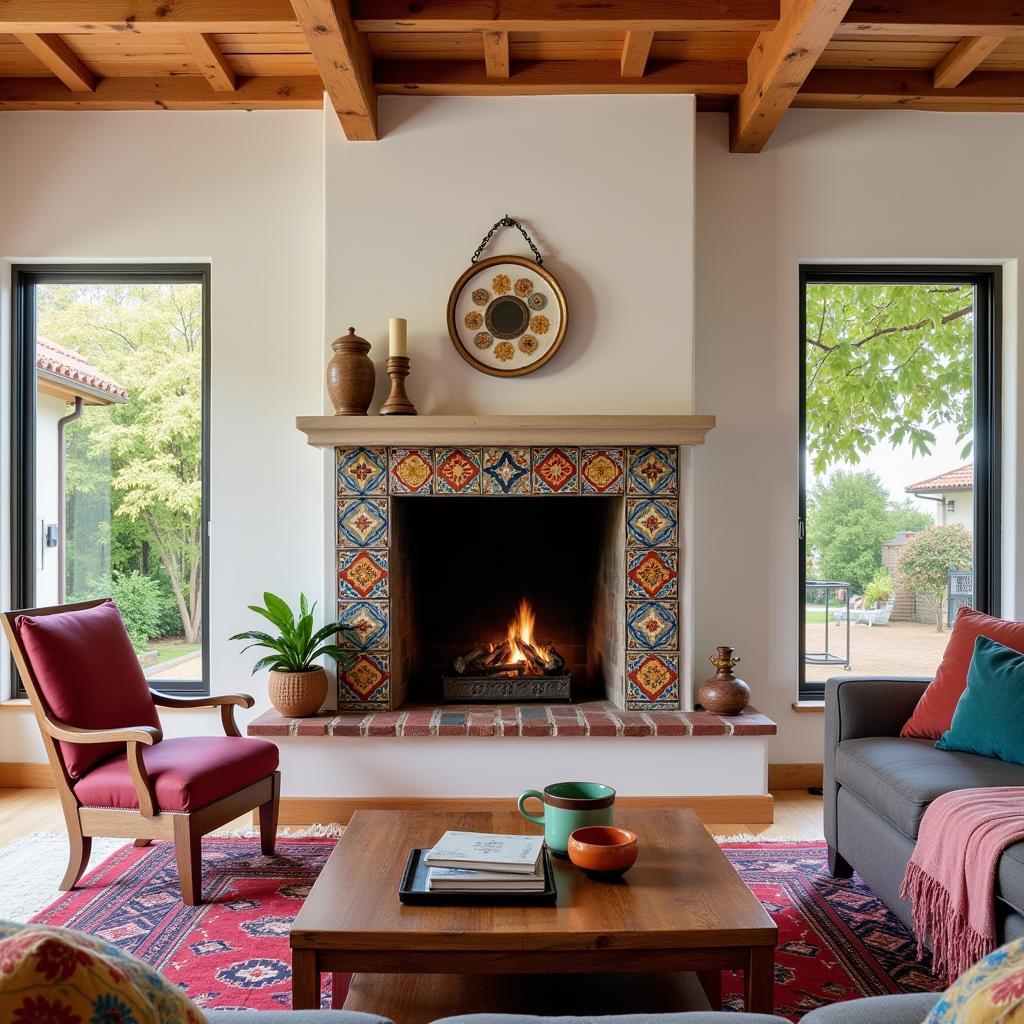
(723, 693)
(351, 376)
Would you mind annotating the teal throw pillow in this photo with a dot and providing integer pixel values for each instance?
(989, 717)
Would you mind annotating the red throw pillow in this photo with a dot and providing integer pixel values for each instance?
(89, 676)
(934, 712)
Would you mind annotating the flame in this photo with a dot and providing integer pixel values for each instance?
(520, 628)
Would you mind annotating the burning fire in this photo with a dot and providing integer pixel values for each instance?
(520, 628)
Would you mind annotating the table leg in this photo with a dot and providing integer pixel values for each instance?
(340, 984)
(305, 980)
(711, 982)
(759, 980)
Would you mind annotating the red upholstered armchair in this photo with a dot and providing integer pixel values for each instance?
(116, 774)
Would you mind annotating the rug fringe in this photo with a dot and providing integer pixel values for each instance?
(752, 837)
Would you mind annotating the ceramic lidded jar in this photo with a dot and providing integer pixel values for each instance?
(723, 693)
(350, 375)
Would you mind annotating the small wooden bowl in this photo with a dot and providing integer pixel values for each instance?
(603, 850)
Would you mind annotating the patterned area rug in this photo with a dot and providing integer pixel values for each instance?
(837, 940)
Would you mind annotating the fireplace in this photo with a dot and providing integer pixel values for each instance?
(438, 546)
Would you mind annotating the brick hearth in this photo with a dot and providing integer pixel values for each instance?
(592, 718)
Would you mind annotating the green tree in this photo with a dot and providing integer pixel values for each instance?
(926, 559)
(886, 363)
(147, 450)
(849, 517)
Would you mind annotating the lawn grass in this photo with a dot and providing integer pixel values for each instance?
(166, 650)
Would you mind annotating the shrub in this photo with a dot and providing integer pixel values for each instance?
(879, 589)
(927, 558)
(138, 598)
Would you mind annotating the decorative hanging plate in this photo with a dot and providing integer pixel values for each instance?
(507, 314)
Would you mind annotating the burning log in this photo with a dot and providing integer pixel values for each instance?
(533, 657)
(553, 661)
(466, 662)
(498, 656)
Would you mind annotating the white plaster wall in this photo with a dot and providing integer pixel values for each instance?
(49, 410)
(831, 186)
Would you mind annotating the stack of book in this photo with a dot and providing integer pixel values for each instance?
(487, 863)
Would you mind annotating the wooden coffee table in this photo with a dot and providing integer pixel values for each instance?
(681, 908)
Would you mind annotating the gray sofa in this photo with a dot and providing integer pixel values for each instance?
(878, 785)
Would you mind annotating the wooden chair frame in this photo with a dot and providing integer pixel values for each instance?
(185, 829)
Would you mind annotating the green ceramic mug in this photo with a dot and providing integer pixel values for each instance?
(567, 807)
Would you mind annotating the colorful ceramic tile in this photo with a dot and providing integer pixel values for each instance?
(457, 471)
(651, 625)
(362, 470)
(652, 574)
(362, 574)
(653, 471)
(651, 522)
(411, 470)
(367, 678)
(652, 676)
(506, 471)
(601, 470)
(362, 522)
(369, 622)
(556, 470)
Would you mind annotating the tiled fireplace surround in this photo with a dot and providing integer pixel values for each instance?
(635, 628)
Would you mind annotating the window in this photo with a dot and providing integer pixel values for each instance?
(110, 453)
(899, 480)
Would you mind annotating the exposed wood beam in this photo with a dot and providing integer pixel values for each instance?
(142, 16)
(964, 58)
(777, 66)
(211, 61)
(467, 78)
(183, 92)
(345, 64)
(933, 18)
(880, 89)
(636, 48)
(60, 59)
(564, 16)
(496, 54)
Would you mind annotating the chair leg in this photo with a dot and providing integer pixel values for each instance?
(139, 843)
(268, 818)
(188, 854)
(80, 847)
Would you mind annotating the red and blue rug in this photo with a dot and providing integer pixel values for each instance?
(837, 940)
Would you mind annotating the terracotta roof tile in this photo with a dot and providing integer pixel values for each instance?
(961, 479)
(66, 363)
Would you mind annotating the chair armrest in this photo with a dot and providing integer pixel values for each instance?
(227, 702)
(858, 706)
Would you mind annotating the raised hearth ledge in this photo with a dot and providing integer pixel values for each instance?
(591, 718)
(342, 431)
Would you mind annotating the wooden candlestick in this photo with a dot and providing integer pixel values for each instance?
(398, 403)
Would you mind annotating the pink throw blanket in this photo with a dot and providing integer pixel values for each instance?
(950, 880)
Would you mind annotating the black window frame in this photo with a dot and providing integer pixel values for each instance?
(24, 278)
(987, 281)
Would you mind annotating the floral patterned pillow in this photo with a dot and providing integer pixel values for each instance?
(991, 992)
(58, 976)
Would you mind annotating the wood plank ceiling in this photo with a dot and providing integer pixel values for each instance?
(753, 58)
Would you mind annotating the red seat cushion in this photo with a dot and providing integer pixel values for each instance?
(186, 773)
(89, 676)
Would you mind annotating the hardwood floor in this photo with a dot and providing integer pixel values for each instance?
(23, 811)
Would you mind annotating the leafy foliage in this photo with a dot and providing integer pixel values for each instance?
(926, 559)
(849, 517)
(296, 646)
(138, 599)
(886, 363)
(879, 589)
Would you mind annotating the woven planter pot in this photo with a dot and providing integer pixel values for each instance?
(298, 694)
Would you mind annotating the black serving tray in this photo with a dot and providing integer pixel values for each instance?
(413, 888)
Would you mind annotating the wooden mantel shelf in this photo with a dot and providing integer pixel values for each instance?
(342, 431)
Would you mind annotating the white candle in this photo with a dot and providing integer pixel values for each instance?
(397, 341)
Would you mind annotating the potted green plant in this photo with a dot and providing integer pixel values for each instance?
(298, 685)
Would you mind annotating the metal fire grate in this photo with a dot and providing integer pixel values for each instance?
(507, 689)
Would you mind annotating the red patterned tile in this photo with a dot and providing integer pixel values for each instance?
(601, 471)
(555, 470)
(456, 470)
(412, 469)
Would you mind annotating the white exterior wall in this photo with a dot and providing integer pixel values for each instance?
(49, 411)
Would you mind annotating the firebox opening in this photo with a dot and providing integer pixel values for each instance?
(461, 566)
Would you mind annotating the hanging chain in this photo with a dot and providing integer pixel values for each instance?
(508, 222)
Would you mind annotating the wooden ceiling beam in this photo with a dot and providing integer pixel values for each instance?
(552, 77)
(60, 59)
(496, 59)
(564, 16)
(636, 48)
(914, 90)
(964, 58)
(145, 16)
(345, 64)
(932, 18)
(777, 66)
(211, 61)
(181, 92)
